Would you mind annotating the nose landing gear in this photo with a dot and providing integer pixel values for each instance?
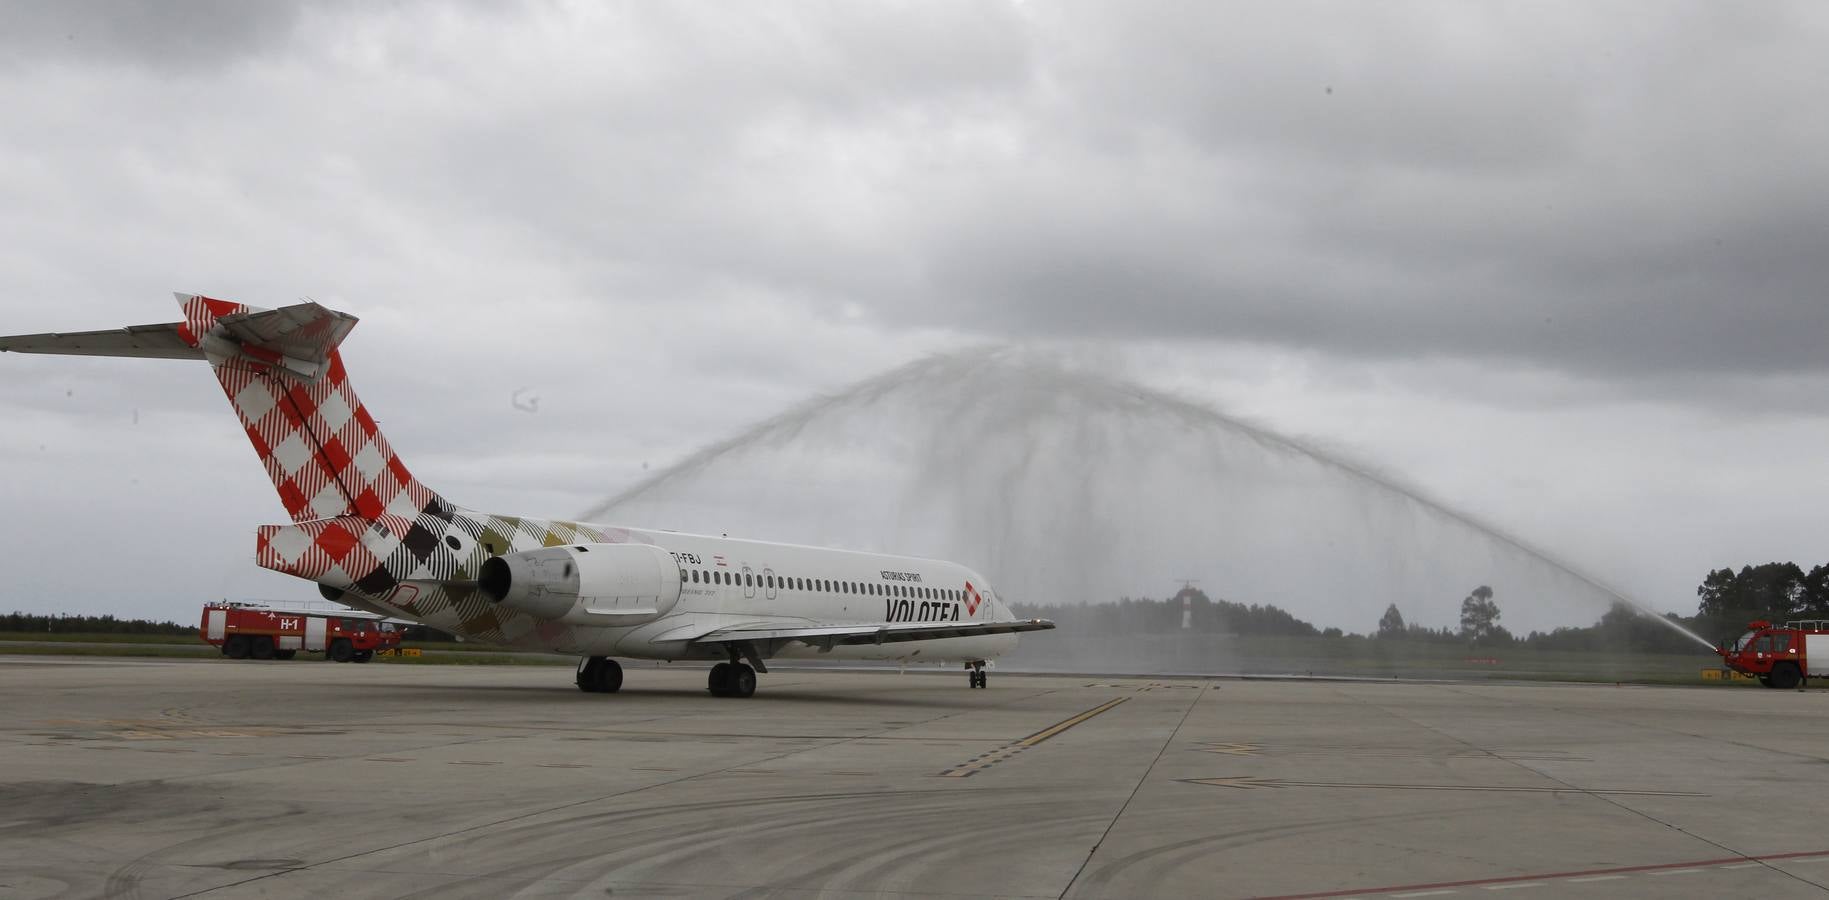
(977, 674)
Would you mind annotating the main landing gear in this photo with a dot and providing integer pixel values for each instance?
(731, 680)
(976, 671)
(599, 675)
(735, 678)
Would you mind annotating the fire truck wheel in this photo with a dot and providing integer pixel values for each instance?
(1765, 681)
(284, 654)
(341, 651)
(261, 647)
(364, 655)
(1785, 676)
(236, 647)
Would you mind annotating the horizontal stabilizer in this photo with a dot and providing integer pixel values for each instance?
(147, 341)
(885, 633)
(299, 337)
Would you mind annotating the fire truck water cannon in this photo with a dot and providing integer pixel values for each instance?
(1781, 656)
(585, 584)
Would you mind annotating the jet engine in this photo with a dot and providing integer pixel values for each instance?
(585, 584)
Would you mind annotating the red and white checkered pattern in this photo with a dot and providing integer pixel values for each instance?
(320, 446)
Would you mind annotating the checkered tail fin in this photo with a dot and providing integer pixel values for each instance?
(284, 376)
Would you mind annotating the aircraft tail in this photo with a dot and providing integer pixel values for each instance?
(282, 373)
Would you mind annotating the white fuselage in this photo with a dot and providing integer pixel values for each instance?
(727, 582)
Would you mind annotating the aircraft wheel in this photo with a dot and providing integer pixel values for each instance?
(599, 675)
(341, 650)
(718, 682)
(261, 647)
(742, 681)
(609, 677)
(236, 647)
(587, 673)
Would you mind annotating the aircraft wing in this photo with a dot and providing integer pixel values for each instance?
(878, 633)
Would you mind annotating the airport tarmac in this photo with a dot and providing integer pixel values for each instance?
(161, 779)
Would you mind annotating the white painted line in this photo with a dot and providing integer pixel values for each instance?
(1802, 860)
(1751, 865)
(1514, 886)
(1596, 878)
(1423, 894)
(1674, 872)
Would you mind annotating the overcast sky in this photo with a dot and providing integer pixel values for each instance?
(1563, 267)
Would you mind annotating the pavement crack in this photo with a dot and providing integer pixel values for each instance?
(1160, 751)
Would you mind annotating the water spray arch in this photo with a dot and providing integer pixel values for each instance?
(1066, 483)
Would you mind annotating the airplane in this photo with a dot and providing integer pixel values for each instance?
(374, 537)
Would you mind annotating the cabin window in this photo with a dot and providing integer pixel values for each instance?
(695, 576)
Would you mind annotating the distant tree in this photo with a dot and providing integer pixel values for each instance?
(1391, 624)
(1775, 591)
(1332, 633)
(1479, 615)
(1815, 603)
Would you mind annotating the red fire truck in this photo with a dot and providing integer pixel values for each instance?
(258, 631)
(1781, 657)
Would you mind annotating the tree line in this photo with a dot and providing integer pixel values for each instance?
(69, 624)
(1727, 601)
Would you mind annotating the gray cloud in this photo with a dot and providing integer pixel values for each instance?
(180, 34)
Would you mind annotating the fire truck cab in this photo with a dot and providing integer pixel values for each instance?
(1781, 656)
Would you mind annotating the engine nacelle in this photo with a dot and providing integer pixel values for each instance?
(585, 584)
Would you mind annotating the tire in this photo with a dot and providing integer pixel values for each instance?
(341, 651)
(1785, 676)
(609, 677)
(364, 655)
(1765, 681)
(718, 682)
(236, 647)
(742, 681)
(261, 647)
(587, 673)
(284, 654)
